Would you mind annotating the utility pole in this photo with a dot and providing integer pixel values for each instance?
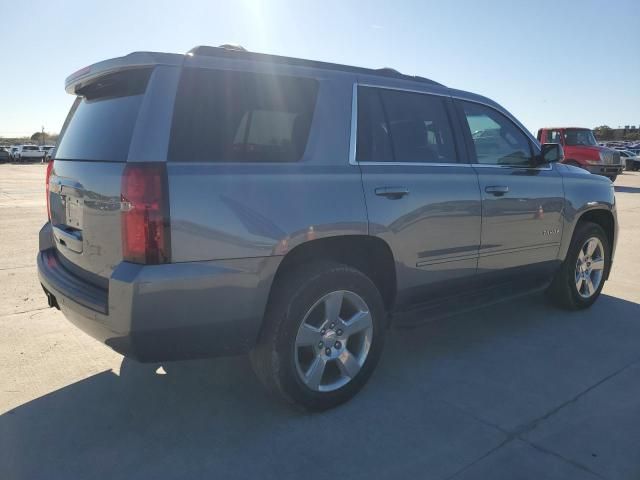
(42, 137)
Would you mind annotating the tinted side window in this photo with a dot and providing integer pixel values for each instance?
(101, 121)
(403, 126)
(553, 136)
(223, 116)
(496, 139)
(373, 133)
(419, 127)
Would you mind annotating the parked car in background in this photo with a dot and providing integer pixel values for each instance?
(5, 154)
(217, 215)
(630, 159)
(582, 150)
(47, 151)
(13, 150)
(25, 153)
(634, 148)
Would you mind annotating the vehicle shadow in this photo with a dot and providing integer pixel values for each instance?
(623, 189)
(428, 411)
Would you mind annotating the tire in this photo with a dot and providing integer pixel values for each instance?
(298, 298)
(612, 177)
(563, 291)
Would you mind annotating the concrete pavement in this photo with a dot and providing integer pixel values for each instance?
(518, 390)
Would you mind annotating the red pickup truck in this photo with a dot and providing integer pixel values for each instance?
(582, 150)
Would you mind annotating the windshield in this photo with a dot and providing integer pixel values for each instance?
(574, 136)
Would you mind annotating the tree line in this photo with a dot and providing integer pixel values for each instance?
(605, 132)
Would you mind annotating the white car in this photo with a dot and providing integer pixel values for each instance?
(630, 159)
(28, 152)
(47, 151)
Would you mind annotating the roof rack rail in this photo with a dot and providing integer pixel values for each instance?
(236, 51)
(233, 46)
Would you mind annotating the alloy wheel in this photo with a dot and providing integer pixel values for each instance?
(589, 267)
(333, 341)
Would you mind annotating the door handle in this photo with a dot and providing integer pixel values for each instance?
(392, 193)
(497, 190)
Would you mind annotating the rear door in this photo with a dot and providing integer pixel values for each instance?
(521, 202)
(422, 196)
(97, 140)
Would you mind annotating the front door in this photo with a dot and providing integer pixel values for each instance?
(522, 201)
(422, 197)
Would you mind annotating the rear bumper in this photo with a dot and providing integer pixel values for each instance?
(164, 312)
(604, 169)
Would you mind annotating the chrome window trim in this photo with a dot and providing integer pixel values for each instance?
(402, 89)
(488, 165)
(353, 139)
(417, 164)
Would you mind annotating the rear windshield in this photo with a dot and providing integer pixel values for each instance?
(101, 121)
(223, 116)
(30, 147)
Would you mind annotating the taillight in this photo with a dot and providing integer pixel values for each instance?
(49, 168)
(144, 213)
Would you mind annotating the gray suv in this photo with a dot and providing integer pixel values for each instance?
(223, 201)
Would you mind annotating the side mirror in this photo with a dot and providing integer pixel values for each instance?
(551, 152)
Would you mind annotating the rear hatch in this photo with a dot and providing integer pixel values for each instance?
(85, 181)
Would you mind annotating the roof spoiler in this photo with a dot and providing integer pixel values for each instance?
(82, 77)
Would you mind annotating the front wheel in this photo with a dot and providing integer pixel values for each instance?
(613, 177)
(323, 335)
(581, 277)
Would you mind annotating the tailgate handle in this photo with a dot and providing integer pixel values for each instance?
(69, 239)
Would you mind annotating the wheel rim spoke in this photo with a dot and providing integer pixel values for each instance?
(591, 246)
(597, 264)
(308, 335)
(348, 364)
(579, 282)
(313, 377)
(333, 305)
(589, 284)
(581, 256)
(356, 324)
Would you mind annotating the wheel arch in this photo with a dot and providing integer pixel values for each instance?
(371, 255)
(605, 219)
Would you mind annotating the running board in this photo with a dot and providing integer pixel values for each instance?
(456, 304)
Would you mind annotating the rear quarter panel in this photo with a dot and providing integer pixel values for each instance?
(223, 212)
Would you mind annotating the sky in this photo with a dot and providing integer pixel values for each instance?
(560, 63)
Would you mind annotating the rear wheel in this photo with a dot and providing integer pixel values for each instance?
(579, 281)
(612, 177)
(323, 335)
